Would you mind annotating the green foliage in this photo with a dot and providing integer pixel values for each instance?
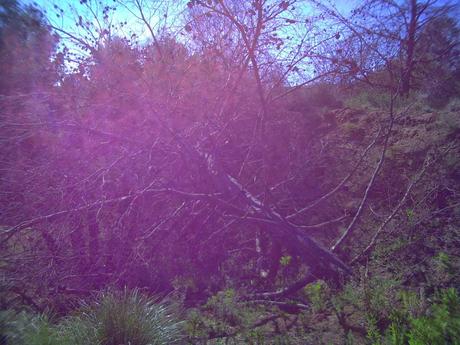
(397, 332)
(285, 260)
(223, 317)
(350, 295)
(195, 326)
(373, 333)
(25, 329)
(317, 294)
(368, 99)
(410, 214)
(444, 262)
(226, 312)
(349, 339)
(219, 315)
(224, 320)
(440, 326)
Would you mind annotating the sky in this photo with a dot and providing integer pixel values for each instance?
(65, 15)
(122, 14)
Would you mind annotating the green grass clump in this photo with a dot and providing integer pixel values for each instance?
(123, 318)
(114, 318)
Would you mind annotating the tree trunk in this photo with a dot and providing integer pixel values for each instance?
(410, 49)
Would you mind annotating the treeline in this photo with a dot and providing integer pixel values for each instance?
(278, 168)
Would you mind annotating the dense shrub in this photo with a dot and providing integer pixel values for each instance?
(440, 325)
